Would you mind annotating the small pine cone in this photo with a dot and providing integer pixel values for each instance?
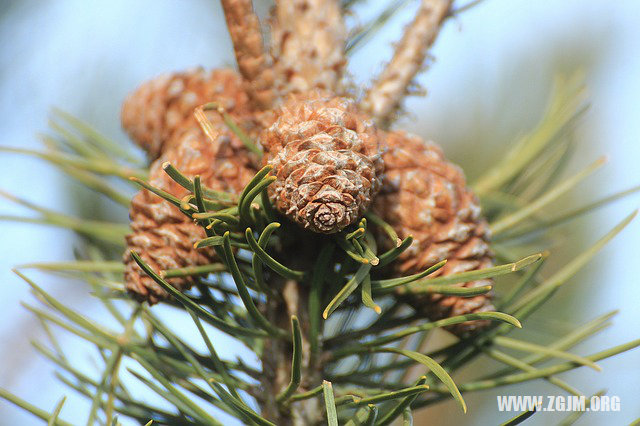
(164, 236)
(161, 234)
(425, 196)
(327, 160)
(160, 110)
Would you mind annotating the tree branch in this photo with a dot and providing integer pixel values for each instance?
(309, 38)
(386, 93)
(246, 35)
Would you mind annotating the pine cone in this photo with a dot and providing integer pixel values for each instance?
(425, 196)
(161, 234)
(161, 110)
(327, 160)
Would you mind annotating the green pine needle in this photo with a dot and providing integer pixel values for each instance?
(296, 362)
(194, 307)
(519, 418)
(330, 404)
(533, 348)
(405, 404)
(38, 412)
(346, 291)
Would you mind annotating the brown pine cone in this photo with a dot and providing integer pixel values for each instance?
(425, 196)
(327, 160)
(161, 110)
(161, 234)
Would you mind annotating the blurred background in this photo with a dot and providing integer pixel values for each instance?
(492, 75)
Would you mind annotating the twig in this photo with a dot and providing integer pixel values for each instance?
(384, 97)
(248, 45)
(309, 38)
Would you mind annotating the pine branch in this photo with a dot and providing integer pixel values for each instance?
(384, 97)
(309, 40)
(269, 276)
(253, 61)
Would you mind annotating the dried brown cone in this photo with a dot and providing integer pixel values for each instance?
(327, 160)
(158, 113)
(161, 234)
(425, 196)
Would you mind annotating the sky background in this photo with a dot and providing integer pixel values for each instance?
(492, 75)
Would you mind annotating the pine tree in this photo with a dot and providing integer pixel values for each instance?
(336, 302)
